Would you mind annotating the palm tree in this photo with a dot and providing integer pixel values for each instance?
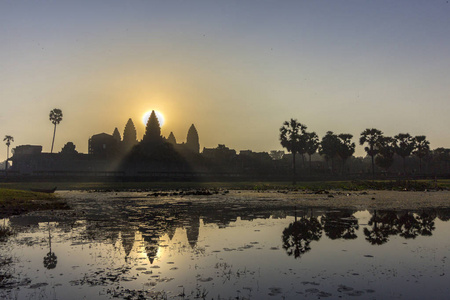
(404, 146)
(311, 145)
(56, 116)
(386, 151)
(329, 147)
(346, 147)
(421, 148)
(8, 140)
(291, 135)
(371, 137)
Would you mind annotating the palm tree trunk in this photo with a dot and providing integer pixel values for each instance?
(310, 165)
(295, 174)
(343, 166)
(53, 141)
(404, 165)
(373, 168)
(7, 157)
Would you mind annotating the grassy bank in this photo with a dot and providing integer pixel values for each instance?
(417, 185)
(13, 202)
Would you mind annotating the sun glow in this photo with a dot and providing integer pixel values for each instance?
(159, 115)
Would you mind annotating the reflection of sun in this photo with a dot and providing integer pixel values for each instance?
(158, 115)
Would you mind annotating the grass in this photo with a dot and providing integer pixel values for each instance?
(260, 186)
(14, 202)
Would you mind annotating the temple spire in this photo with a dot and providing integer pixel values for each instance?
(192, 142)
(152, 130)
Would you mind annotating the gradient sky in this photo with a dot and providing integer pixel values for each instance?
(236, 69)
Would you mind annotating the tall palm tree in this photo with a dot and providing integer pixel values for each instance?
(329, 147)
(8, 139)
(421, 148)
(56, 116)
(346, 147)
(386, 151)
(312, 144)
(404, 146)
(291, 135)
(371, 137)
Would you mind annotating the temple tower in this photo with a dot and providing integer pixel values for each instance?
(192, 142)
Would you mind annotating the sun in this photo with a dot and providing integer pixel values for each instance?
(158, 115)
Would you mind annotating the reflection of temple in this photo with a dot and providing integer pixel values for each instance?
(192, 230)
(143, 231)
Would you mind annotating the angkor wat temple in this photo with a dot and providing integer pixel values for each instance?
(153, 157)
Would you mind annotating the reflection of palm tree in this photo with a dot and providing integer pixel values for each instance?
(408, 226)
(56, 117)
(50, 260)
(341, 224)
(378, 234)
(299, 234)
(426, 224)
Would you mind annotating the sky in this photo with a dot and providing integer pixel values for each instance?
(235, 69)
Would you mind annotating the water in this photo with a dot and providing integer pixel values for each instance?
(129, 245)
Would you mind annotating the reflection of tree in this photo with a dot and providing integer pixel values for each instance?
(50, 260)
(379, 233)
(426, 223)
(299, 234)
(407, 225)
(443, 214)
(340, 224)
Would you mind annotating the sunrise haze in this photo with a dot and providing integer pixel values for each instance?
(235, 69)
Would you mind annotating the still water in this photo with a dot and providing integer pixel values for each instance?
(129, 246)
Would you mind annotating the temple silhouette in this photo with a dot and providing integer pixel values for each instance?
(155, 157)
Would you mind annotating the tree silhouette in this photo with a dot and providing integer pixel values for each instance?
(426, 223)
(69, 149)
(129, 136)
(329, 147)
(441, 160)
(386, 151)
(311, 145)
(298, 235)
(8, 139)
(55, 116)
(408, 226)
(404, 145)
(340, 224)
(152, 130)
(421, 148)
(291, 136)
(346, 147)
(378, 234)
(371, 137)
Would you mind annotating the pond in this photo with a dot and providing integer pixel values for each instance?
(135, 246)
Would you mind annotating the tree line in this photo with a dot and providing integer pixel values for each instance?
(380, 148)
